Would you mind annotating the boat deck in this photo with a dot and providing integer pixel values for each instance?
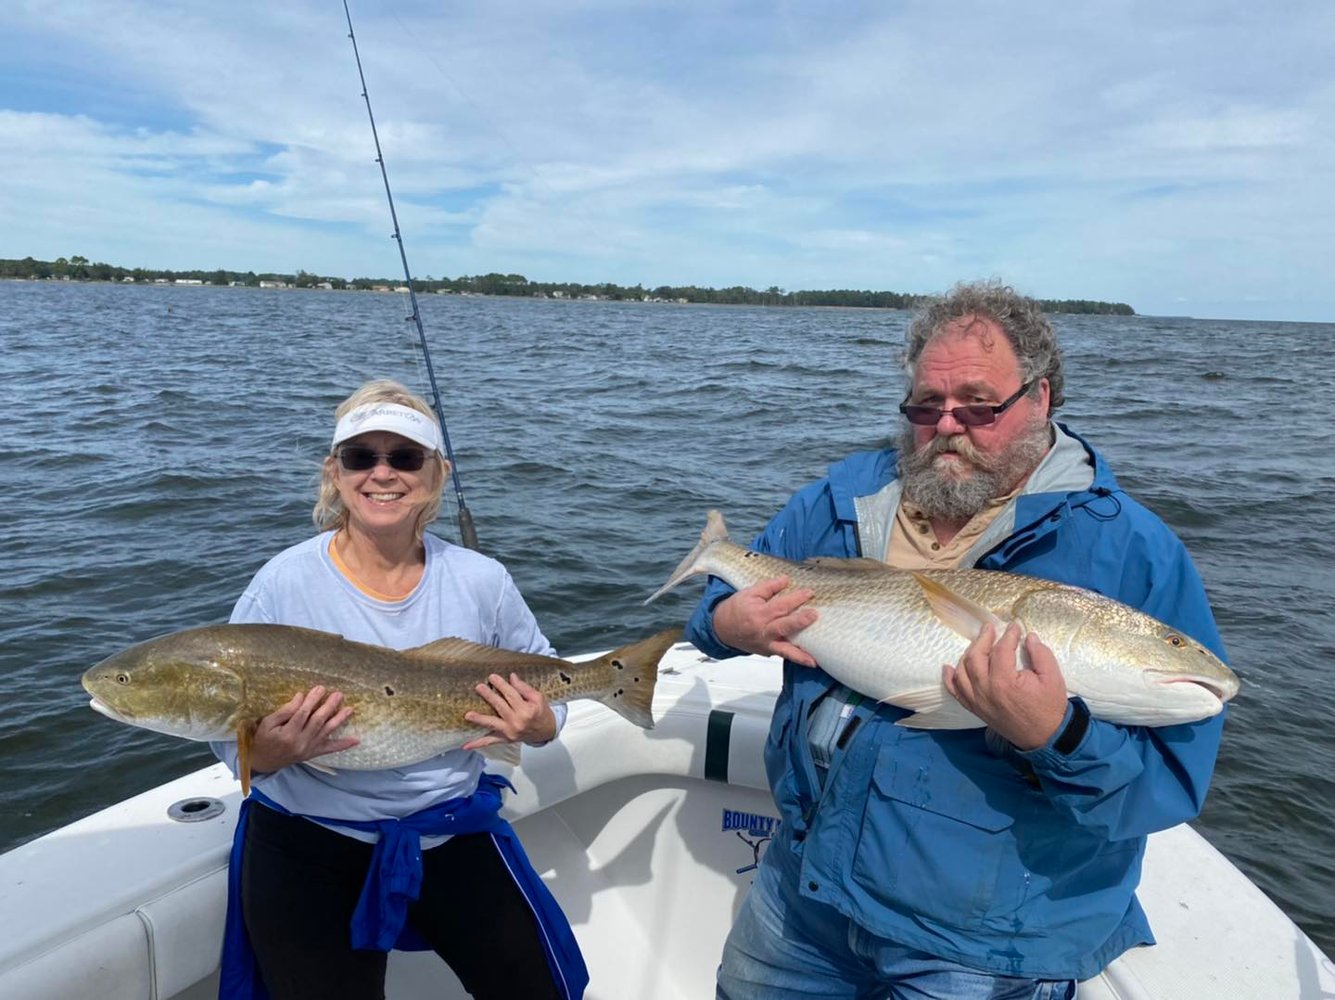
(647, 839)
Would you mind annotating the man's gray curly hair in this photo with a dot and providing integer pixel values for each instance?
(1030, 334)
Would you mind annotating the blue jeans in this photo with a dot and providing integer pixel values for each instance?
(786, 947)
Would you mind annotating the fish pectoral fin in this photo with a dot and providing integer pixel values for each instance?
(952, 715)
(503, 753)
(245, 734)
(956, 612)
(322, 768)
(933, 708)
(927, 699)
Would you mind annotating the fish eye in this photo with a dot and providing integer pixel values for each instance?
(1174, 640)
(122, 678)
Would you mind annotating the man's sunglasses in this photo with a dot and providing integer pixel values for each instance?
(973, 415)
(359, 458)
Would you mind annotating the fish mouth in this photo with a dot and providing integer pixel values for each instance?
(1221, 689)
(102, 708)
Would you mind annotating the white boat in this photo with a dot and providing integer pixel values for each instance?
(648, 839)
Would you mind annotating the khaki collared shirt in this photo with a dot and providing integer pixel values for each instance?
(913, 543)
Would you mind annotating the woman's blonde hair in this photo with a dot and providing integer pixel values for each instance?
(330, 511)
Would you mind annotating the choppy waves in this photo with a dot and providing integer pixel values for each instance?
(163, 442)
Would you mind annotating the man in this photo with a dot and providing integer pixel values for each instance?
(969, 863)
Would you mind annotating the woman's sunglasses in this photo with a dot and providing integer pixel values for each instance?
(359, 458)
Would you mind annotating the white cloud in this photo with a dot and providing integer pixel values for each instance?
(1130, 152)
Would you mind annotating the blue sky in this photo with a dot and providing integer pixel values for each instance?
(1179, 157)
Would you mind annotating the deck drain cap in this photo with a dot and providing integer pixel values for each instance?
(195, 810)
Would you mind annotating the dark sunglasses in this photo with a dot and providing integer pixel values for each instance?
(359, 458)
(973, 415)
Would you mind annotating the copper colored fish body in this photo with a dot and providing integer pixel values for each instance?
(217, 682)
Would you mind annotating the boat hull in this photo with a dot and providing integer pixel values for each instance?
(648, 839)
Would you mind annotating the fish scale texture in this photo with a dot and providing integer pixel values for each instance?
(882, 633)
(407, 705)
(425, 713)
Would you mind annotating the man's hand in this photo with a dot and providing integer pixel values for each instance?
(522, 714)
(1024, 706)
(301, 730)
(762, 619)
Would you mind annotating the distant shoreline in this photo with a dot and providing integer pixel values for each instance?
(497, 285)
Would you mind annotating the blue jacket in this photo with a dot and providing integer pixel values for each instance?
(1020, 863)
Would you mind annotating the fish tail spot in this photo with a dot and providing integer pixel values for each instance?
(631, 688)
(389, 690)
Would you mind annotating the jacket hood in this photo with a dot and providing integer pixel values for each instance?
(1064, 470)
(865, 489)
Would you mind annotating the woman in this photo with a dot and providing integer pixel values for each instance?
(309, 836)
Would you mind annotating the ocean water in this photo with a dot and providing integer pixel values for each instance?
(160, 443)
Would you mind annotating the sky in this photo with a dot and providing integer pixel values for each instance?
(1179, 157)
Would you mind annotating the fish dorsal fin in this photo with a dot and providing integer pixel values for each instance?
(858, 565)
(453, 651)
(955, 611)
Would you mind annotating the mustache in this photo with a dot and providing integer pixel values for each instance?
(958, 444)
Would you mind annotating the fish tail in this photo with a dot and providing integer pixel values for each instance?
(635, 672)
(715, 531)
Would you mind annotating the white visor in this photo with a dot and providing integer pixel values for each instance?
(392, 417)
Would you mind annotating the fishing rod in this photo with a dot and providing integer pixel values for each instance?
(467, 532)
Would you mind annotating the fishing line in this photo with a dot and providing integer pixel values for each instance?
(467, 532)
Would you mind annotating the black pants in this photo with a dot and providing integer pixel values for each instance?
(300, 883)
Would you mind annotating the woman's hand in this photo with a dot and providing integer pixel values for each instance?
(301, 730)
(522, 714)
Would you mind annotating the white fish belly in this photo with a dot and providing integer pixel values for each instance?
(878, 650)
(876, 634)
(879, 635)
(386, 746)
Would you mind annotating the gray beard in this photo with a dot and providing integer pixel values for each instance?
(953, 497)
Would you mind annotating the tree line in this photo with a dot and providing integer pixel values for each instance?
(77, 268)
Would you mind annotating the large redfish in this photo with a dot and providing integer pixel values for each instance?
(887, 632)
(217, 682)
